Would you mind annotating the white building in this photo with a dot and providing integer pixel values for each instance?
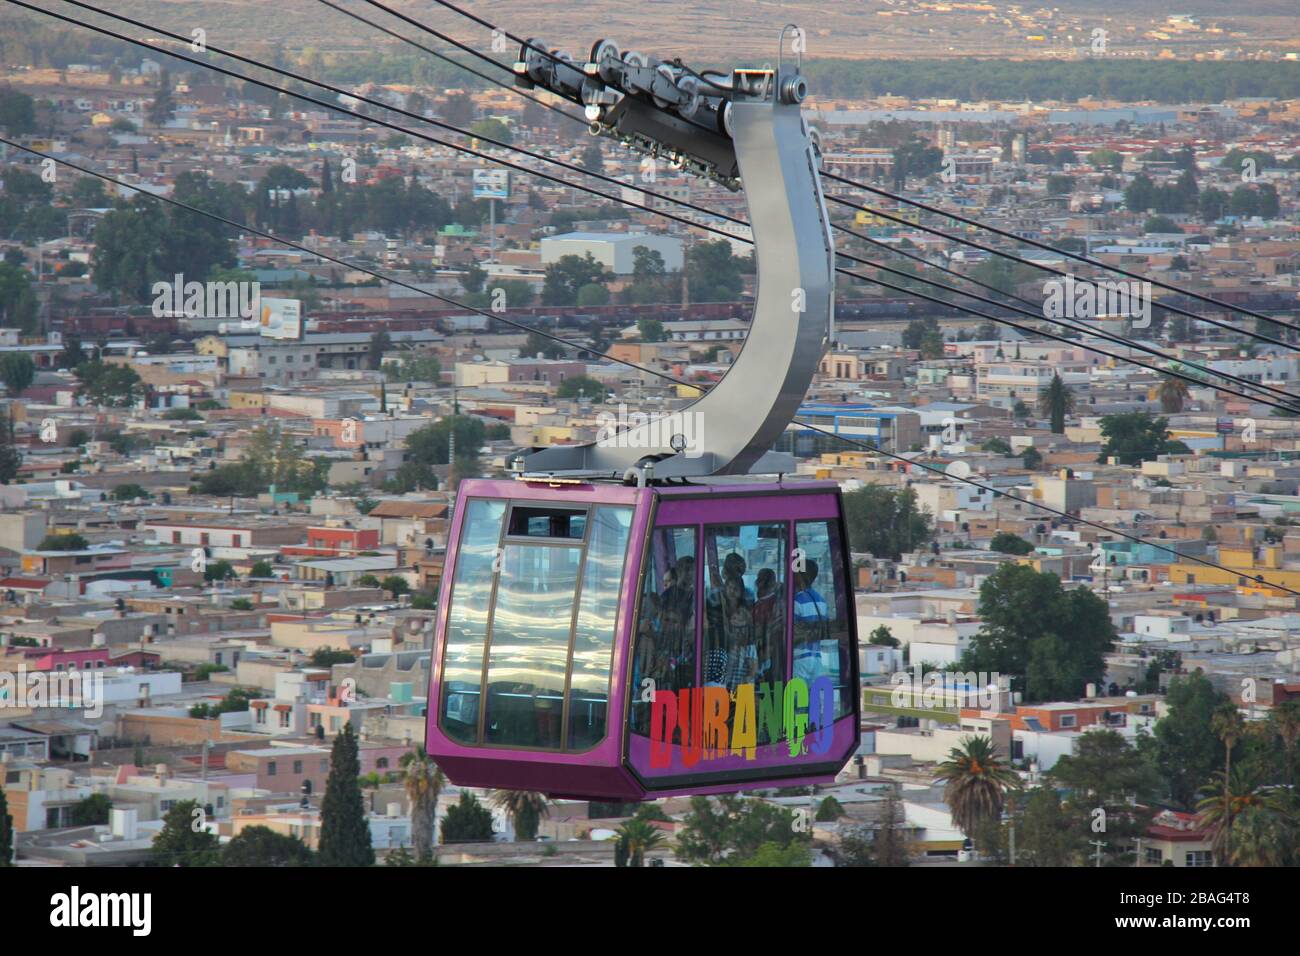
(614, 250)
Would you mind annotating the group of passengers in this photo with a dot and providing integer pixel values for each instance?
(744, 635)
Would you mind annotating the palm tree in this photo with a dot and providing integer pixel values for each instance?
(1226, 798)
(525, 808)
(1173, 392)
(1227, 725)
(976, 782)
(1056, 403)
(636, 838)
(424, 783)
(1286, 724)
(1257, 838)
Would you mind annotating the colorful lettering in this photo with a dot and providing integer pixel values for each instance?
(744, 736)
(711, 723)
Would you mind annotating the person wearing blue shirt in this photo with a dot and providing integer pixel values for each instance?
(811, 626)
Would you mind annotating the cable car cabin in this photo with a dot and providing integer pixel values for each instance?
(625, 643)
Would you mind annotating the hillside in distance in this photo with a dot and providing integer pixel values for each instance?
(707, 31)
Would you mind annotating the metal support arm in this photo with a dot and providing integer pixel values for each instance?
(732, 428)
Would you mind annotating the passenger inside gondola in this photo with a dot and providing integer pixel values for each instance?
(811, 628)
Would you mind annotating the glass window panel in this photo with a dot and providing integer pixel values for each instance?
(531, 522)
(530, 645)
(665, 630)
(744, 633)
(593, 637)
(822, 642)
(467, 618)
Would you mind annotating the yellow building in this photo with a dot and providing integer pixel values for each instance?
(1243, 566)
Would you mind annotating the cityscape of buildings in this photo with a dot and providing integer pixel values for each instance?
(228, 465)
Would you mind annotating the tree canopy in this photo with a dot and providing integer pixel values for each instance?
(1050, 641)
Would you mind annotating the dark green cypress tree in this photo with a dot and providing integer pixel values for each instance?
(344, 834)
(6, 832)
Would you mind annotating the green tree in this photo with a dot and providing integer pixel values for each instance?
(924, 335)
(17, 112)
(889, 846)
(183, 840)
(262, 846)
(1105, 772)
(220, 570)
(996, 446)
(17, 298)
(525, 809)
(395, 585)
(466, 821)
(6, 833)
(1046, 835)
(593, 294)
(783, 856)
(1285, 723)
(567, 275)
(261, 569)
(474, 277)
(976, 782)
(650, 330)
(1160, 224)
(728, 830)
(492, 129)
(1106, 159)
(1225, 799)
(93, 811)
(1185, 747)
(649, 285)
(1053, 642)
(885, 522)
(344, 833)
(584, 386)
(1058, 184)
(129, 492)
(328, 657)
(113, 386)
(829, 810)
(1135, 437)
(415, 368)
(1007, 543)
(1212, 205)
(538, 344)
(713, 272)
(163, 106)
(424, 782)
(63, 541)
(127, 250)
(380, 342)
(884, 637)
(11, 458)
(636, 838)
(17, 371)
(1056, 403)
(916, 158)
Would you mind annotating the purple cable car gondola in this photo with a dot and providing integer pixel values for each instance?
(663, 611)
(623, 642)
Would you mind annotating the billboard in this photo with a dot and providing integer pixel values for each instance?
(281, 318)
(491, 184)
